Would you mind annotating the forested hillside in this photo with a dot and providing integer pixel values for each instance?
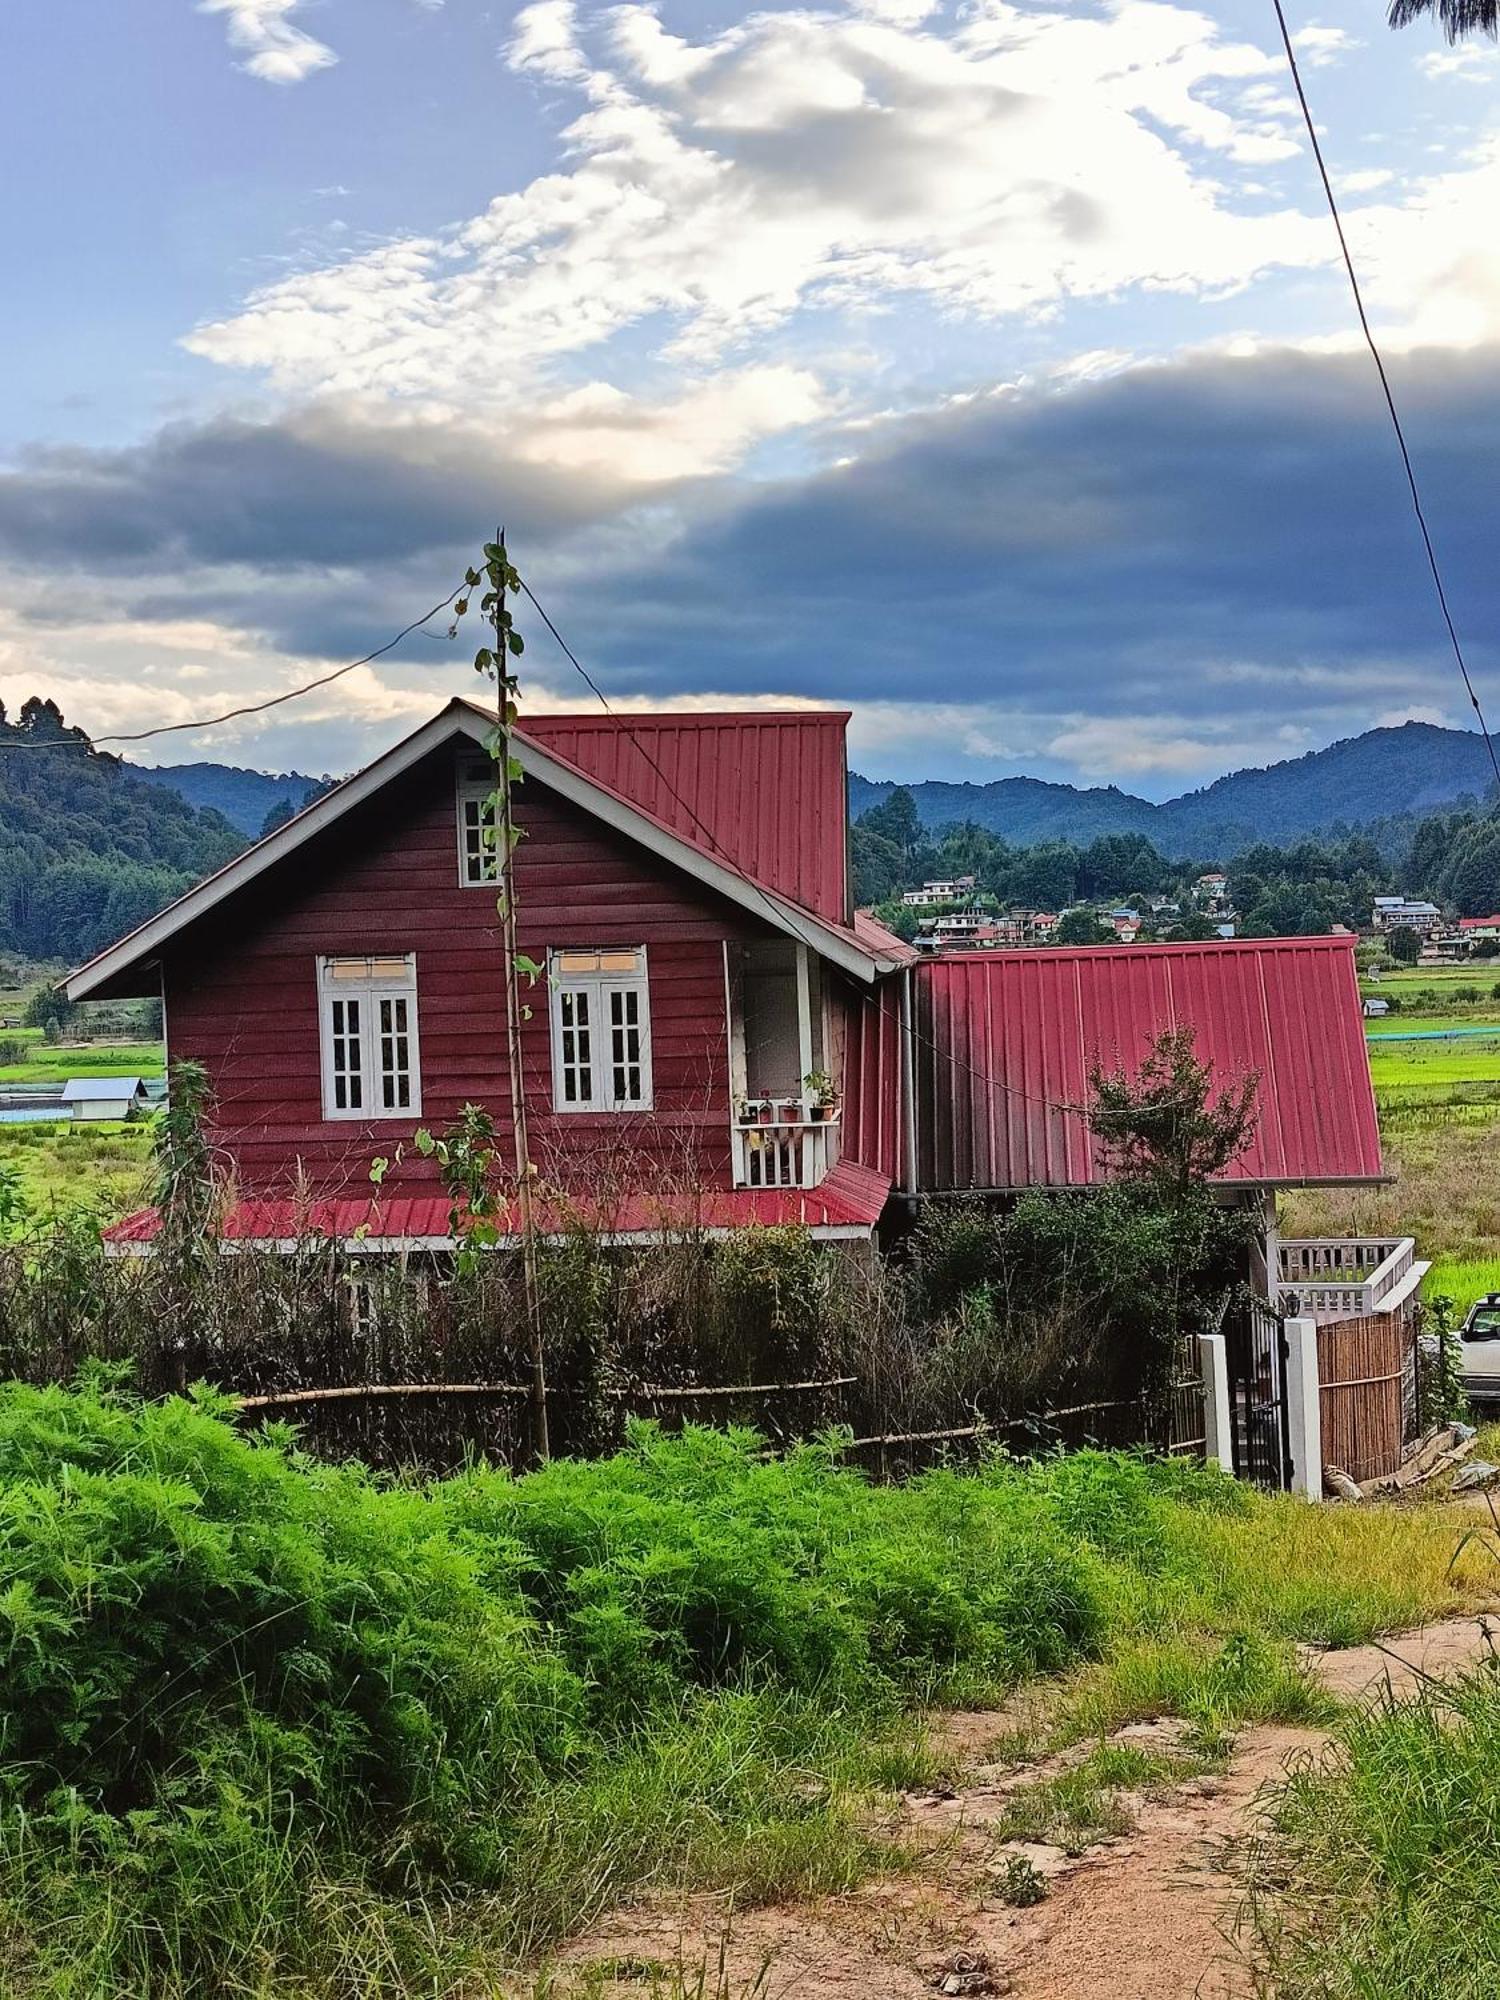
(1382, 783)
(247, 799)
(88, 849)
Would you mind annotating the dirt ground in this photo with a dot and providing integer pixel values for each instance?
(1148, 1916)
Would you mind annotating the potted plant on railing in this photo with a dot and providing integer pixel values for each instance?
(821, 1095)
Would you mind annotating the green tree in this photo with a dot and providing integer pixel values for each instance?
(895, 819)
(49, 1007)
(1471, 881)
(1404, 945)
(1081, 927)
(1456, 18)
(879, 865)
(1164, 1125)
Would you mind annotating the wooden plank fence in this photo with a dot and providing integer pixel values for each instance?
(1366, 1374)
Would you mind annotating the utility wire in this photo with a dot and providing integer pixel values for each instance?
(249, 708)
(1390, 400)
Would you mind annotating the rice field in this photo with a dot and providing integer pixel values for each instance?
(1463, 1279)
(55, 1062)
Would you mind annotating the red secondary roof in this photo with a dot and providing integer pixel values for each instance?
(1005, 1042)
(849, 1202)
(765, 791)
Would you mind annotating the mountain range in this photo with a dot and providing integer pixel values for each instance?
(1385, 773)
(243, 797)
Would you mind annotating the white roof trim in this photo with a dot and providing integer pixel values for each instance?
(376, 1246)
(461, 718)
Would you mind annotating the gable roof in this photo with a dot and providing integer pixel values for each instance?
(765, 790)
(102, 1089)
(1005, 1042)
(834, 940)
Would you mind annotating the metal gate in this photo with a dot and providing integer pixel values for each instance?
(1255, 1351)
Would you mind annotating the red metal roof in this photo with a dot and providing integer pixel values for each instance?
(1005, 1041)
(851, 1198)
(764, 791)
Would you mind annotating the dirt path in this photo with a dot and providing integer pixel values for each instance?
(1135, 1918)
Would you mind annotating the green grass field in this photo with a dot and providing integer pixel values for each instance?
(104, 1168)
(56, 1062)
(1463, 1279)
(1485, 1014)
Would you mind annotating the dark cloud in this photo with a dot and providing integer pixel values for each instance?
(316, 490)
(1142, 539)
(1223, 541)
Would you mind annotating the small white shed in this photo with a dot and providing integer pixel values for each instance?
(96, 1097)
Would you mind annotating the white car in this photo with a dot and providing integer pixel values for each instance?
(1480, 1335)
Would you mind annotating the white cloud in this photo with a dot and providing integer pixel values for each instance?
(1470, 64)
(1004, 164)
(274, 50)
(703, 430)
(1392, 718)
(1319, 45)
(1365, 180)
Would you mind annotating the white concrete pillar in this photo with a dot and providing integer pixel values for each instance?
(1304, 1411)
(1218, 1438)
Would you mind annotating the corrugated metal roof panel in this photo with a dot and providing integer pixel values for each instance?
(852, 1197)
(1006, 1040)
(764, 791)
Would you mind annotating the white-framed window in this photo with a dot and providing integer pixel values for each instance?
(601, 1028)
(367, 1015)
(478, 857)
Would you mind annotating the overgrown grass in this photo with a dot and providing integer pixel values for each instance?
(1382, 1873)
(1446, 1190)
(102, 1168)
(270, 1726)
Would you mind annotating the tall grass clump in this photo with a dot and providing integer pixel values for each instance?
(1380, 1873)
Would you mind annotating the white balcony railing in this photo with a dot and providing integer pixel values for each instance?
(1349, 1277)
(784, 1150)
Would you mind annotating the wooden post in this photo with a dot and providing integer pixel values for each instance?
(505, 835)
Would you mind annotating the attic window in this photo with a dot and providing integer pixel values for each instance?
(478, 862)
(367, 1020)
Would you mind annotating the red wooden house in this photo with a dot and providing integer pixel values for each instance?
(684, 880)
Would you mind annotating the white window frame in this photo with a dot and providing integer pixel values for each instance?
(600, 988)
(384, 977)
(476, 783)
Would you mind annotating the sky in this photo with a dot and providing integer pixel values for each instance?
(985, 369)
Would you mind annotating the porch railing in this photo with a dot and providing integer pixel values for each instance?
(784, 1152)
(1349, 1277)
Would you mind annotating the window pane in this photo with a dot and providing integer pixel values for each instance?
(347, 1094)
(480, 864)
(625, 1044)
(395, 1054)
(577, 1054)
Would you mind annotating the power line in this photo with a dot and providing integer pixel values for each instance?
(249, 708)
(1390, 400)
